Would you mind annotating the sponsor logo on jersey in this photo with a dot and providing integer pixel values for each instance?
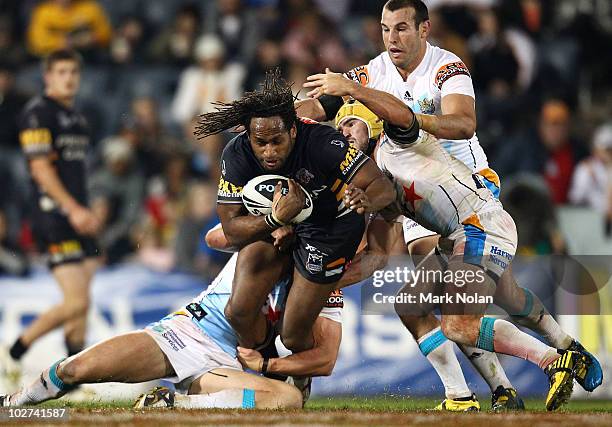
(450, 70)
(335, 300)
(223, 167)
(352, 155)
(338, 143)
(227, 189)
(407, 96)
(427, 106)
(359, 74)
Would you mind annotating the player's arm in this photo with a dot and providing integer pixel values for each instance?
(320, 109)
(369, 190)
(318, 361)
(241, 229)
(400, 122)
(383, 239)
(457, 121)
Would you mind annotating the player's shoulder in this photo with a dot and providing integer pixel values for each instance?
(238, 146)
(36, 111)
(315, 133)
(374, 70)
(444, 64)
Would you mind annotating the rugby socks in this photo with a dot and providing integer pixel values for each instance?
(439, 351)
(18, 349)
(224, 399)
(46, 386)
(501, 336)
(488, 365)
(534, 316)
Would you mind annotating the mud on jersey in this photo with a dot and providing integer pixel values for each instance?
(50, 129)
(440, 192)
(440, 73)
(322, 161)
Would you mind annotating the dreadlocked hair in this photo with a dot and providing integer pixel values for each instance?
(273, 99)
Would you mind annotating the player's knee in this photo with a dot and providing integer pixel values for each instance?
(454, 328)
(237, 315)
(292, 397)
(295, 342)
(76, 307)
(73, 370)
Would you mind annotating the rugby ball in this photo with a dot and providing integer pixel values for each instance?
(258, 193)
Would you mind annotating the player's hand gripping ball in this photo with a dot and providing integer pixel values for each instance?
(258, 196)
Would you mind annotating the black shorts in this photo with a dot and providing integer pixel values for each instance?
(322, 252)
(55, 236)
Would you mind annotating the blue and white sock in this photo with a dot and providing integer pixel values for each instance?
(47, 386)
(440, 353)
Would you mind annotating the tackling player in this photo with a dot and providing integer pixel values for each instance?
(195, 348)
(55, 138)
(321, 160)
(404, 67)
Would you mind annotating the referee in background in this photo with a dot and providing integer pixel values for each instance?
(55, 139)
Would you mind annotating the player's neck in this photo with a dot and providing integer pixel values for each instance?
(67, 102)
(405, 71)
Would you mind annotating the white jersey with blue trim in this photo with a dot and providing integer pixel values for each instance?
(440, 73)
(214, 299)
(440, 192)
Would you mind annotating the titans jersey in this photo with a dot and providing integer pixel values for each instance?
(440, 192)
(50, 129)
(440, 73)
(214, 299)
(322, 161)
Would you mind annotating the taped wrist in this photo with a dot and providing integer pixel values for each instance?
(331, 104)
(403, 136)
(273, 222)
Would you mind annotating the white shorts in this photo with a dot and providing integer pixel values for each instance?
(189, 349)
(414, 231)
(487, 239)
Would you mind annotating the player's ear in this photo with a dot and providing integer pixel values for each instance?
(293, 131)
(424, 28)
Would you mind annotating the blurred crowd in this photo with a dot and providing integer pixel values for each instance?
(540, 70)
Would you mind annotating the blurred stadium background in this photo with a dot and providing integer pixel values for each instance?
(541, 70)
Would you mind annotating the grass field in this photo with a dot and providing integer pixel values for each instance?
(379, 411)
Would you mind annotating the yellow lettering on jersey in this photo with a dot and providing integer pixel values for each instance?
(351, 154)
(35, 137)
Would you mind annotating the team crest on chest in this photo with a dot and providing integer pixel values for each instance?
(304, 176)
(427, 106)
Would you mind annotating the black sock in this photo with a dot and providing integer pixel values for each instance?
(72, 348)
(18, 349)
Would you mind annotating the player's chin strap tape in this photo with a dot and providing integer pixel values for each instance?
(331, 104)
(400, 135)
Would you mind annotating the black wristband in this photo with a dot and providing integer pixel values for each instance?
(264, 365)
(272, 222)
(331, 104)
(403, 136)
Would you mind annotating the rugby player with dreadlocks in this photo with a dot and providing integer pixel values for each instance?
(343, 182)
(195, 347)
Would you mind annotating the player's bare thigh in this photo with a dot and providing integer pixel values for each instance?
(131, 358)
(269, 393)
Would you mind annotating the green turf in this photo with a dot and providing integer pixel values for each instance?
(402, 403)
(379, 403)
